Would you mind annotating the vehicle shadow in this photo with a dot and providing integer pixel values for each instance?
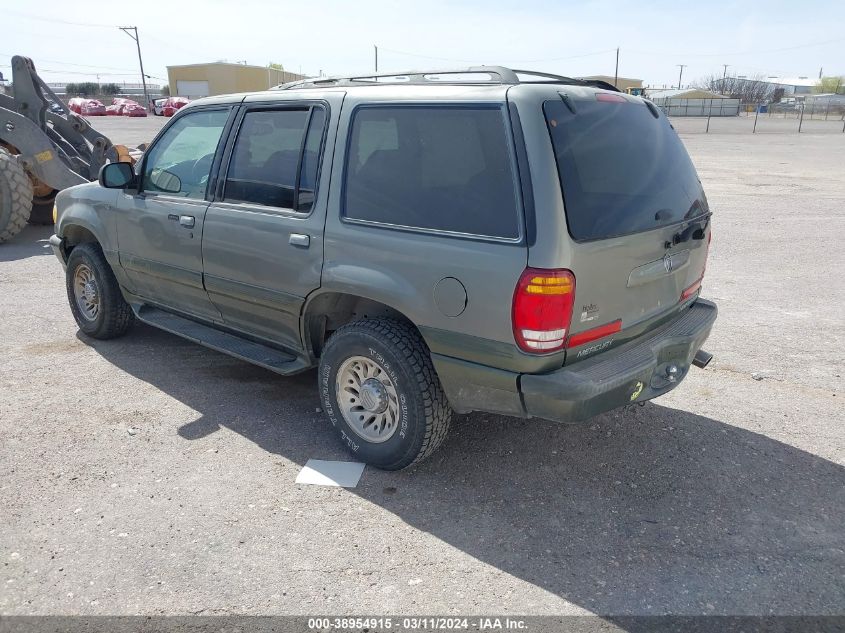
(649, 510)
(31, 242)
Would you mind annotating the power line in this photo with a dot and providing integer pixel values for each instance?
(519, 61)
(753, 52)
(65, 71)
(53, 61)
(57, 20)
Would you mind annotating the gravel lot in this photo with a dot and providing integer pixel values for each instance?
(148, 475)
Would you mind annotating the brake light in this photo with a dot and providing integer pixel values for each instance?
(595, 333)
(609, 96)
(686, 294)
(542, 309)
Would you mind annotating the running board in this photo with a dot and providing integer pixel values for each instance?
(250, 351)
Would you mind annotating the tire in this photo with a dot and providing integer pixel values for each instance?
(394, 355)
(15, 196)
(42, 210)
(113, 316)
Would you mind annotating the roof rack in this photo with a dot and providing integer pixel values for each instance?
(486, 75)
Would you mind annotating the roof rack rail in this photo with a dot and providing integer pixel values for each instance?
(495, 75)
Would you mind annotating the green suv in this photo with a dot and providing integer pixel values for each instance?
(477, 240)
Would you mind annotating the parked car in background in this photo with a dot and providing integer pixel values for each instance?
(87, 107)
(126, 107)
(122, 102)
(172, 104)
(133, 110)
(157, 105)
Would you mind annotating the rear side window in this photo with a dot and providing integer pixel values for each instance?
(275, 158)
(621, 170)
(437, 168)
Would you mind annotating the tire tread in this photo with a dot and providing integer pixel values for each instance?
(21, 190)
(118, 316)
(408, 342)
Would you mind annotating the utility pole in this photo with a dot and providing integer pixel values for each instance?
(616, 75)
(682, 66)
(376, 50)
(126, 30)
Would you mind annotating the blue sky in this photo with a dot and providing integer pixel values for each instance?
(769, 37)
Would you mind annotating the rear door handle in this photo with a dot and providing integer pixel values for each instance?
(188, 221)
(298, 239)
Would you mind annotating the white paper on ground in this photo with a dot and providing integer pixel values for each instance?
(319, 472)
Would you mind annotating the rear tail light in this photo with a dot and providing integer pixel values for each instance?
(686, 294)
(542, 309)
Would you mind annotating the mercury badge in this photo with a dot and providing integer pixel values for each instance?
(667, 263)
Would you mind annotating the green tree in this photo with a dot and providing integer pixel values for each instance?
(109, 89)
(165, 91)
(276, 66)
(84, 89)
(827, 85)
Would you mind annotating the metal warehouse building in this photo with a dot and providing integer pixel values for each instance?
(218, 78)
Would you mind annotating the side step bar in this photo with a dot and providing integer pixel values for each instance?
(250, 351)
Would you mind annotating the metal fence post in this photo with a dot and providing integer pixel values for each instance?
(801, 118)
(709, 112)
(756, 114)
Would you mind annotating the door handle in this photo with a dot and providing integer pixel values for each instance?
(187, 221)
(298, 239)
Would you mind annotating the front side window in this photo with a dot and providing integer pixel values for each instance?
(275, 158)
(180, 162)
(444, 168)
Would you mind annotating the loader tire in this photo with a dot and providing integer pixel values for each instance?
(15, 197)
(42, 209)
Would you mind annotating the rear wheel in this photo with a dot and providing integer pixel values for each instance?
(94, 294)
(381, 393)
(15, 196)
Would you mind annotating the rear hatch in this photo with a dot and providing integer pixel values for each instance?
(636, 213)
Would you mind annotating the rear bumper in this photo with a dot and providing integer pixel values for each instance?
(634, 372)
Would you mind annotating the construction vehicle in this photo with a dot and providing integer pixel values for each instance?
(44, 148)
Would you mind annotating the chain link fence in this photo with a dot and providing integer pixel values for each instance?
(816, 116)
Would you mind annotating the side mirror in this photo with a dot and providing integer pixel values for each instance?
(166, 181)
(116, 176)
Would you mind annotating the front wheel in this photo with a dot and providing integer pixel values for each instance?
(381, 393)
(94, 294)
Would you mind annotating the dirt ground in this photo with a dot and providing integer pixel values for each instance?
(148, 475)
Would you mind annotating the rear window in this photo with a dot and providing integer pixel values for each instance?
(621, 170)
(432, 167)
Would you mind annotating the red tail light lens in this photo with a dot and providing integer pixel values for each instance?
(542, 309)
(686, 294)
(595, 334)
(610, 97)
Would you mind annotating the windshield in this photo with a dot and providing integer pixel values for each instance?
(621, 169)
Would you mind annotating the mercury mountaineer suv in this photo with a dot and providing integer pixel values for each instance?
(434, 242)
